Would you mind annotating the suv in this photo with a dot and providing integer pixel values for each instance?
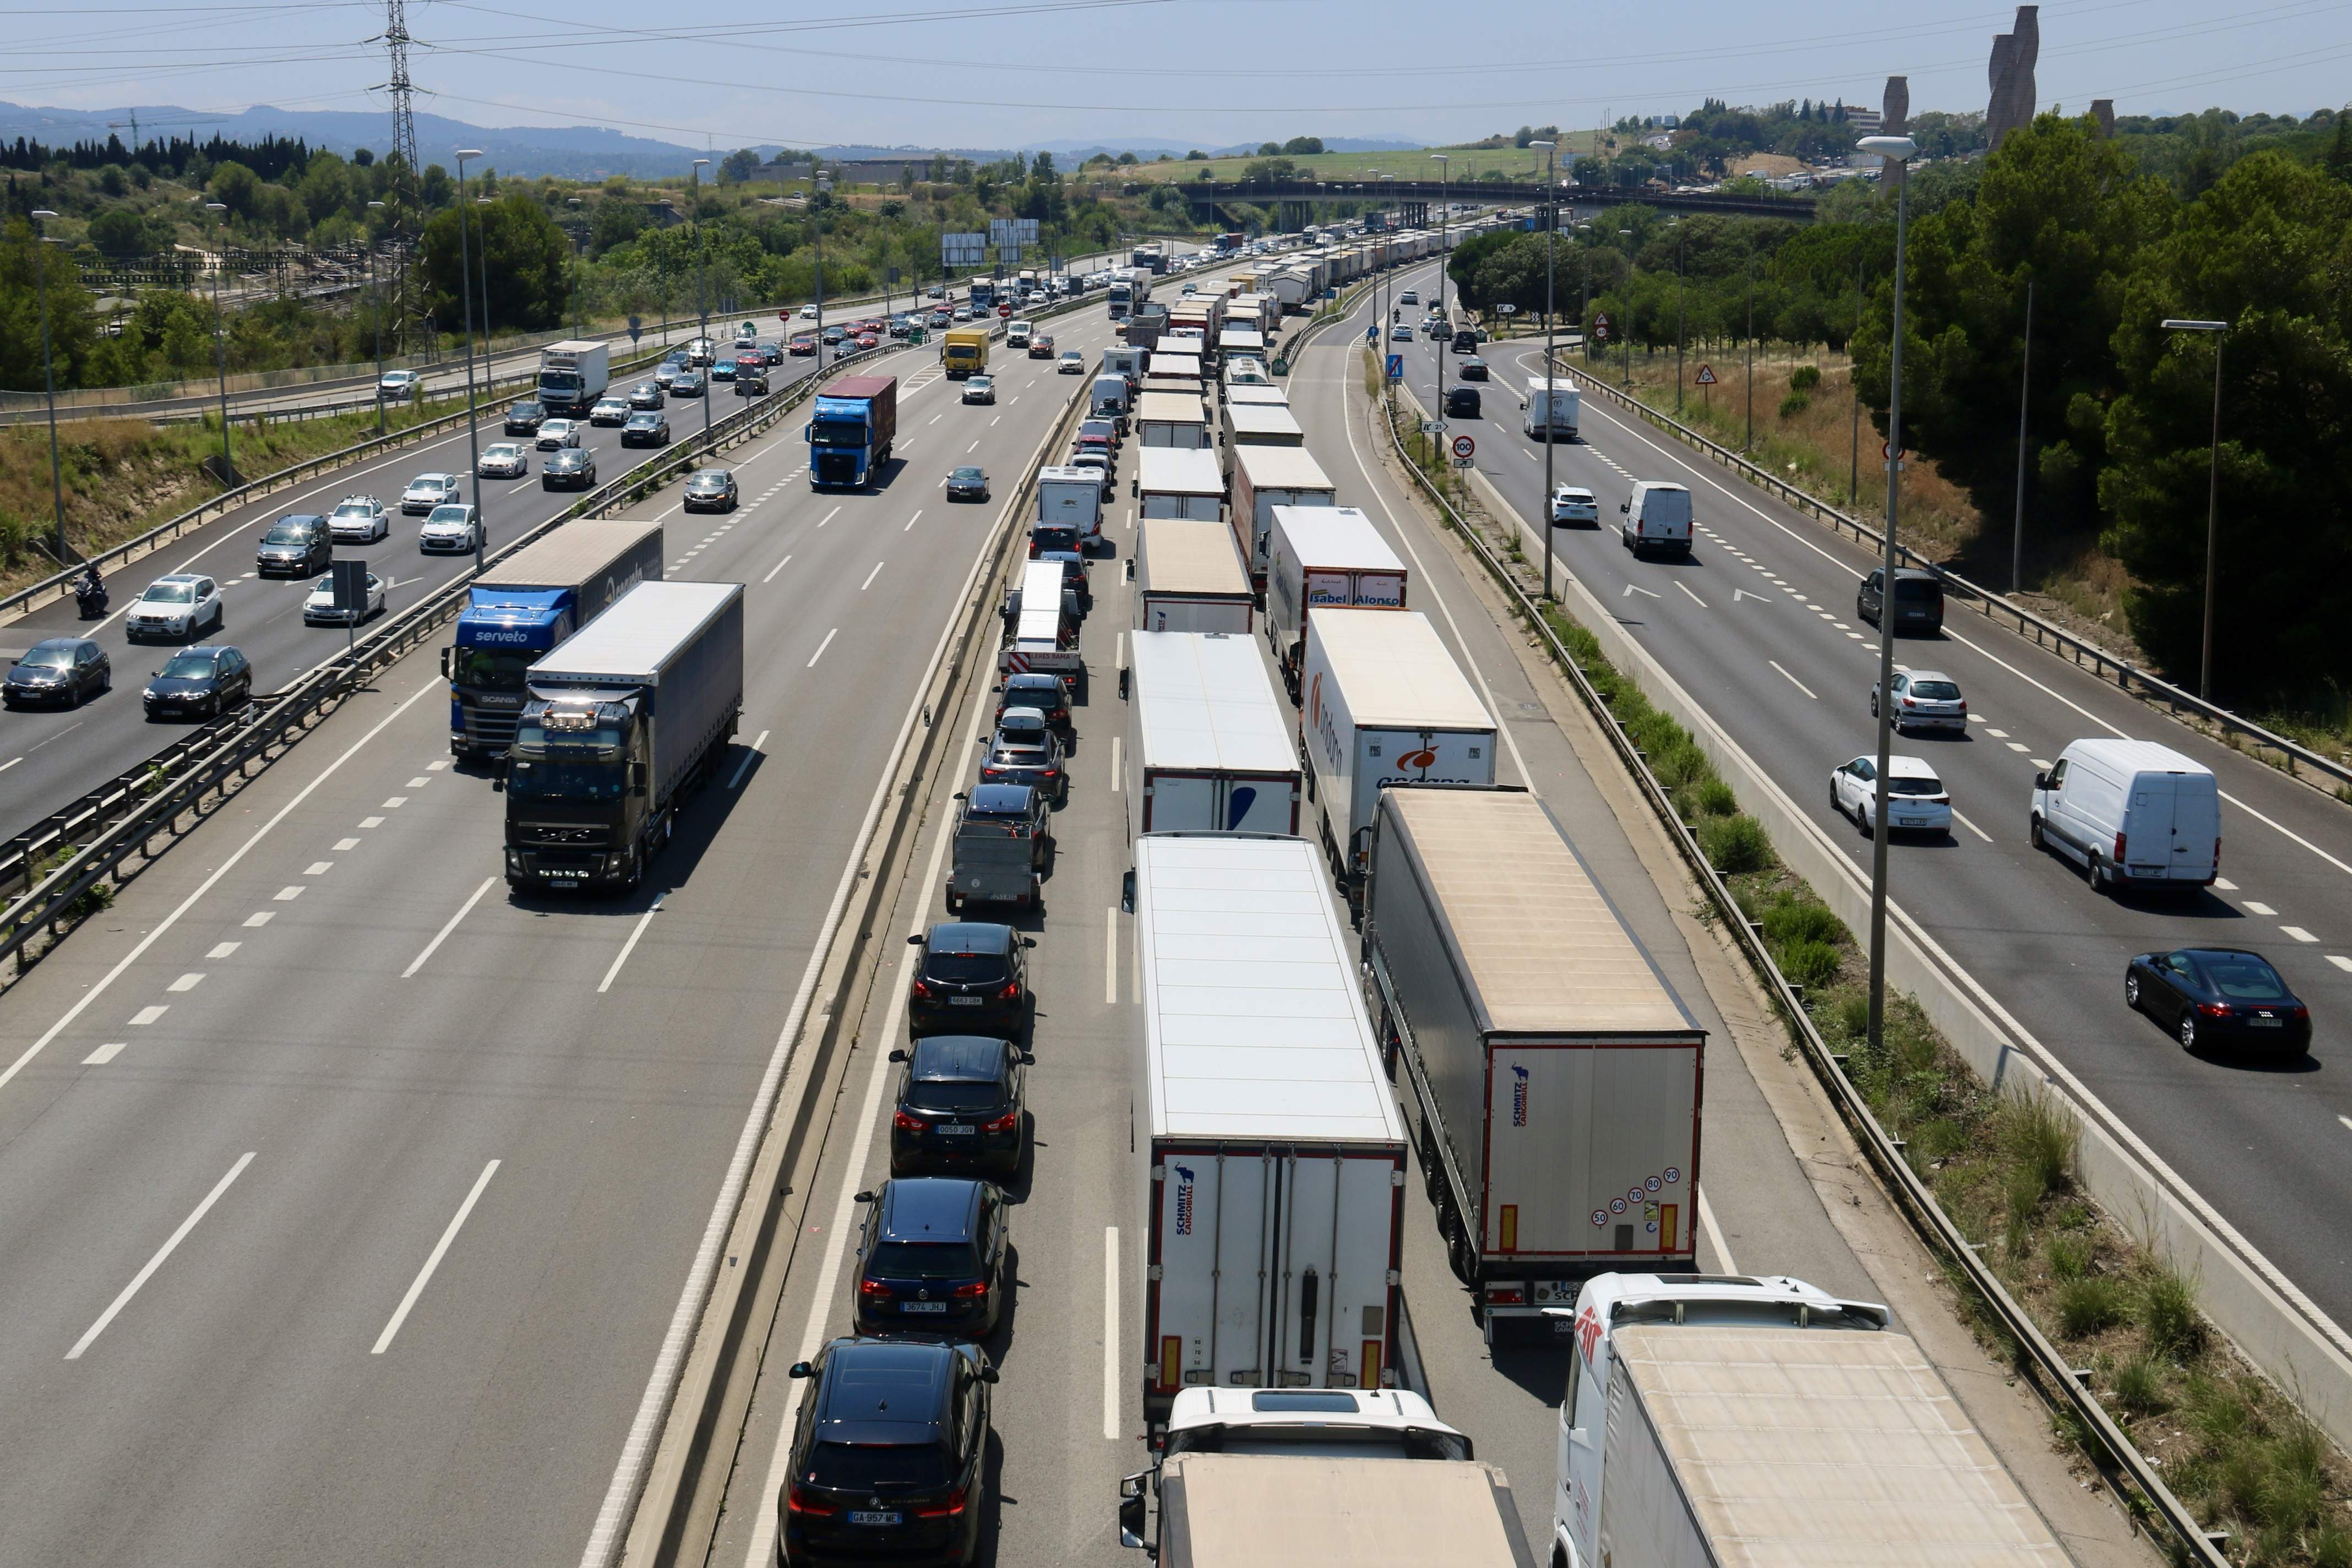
(524, 418)
(1025, 751)
(296, 545)
(960, 1106)
(931, 1257)
(1462, 403)
(1044, 693)
(426, 491)
(1918, 599)
(886, 1453)
(971, 976)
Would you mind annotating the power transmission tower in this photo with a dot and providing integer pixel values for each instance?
(408, 307)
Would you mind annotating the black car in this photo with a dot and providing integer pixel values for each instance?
(296, 544)
(1045, 693)
(199, 682)
(931, 1258)
(1026, 750)
(960, 1106)
(971, 977)
(1462, 403)
(1052, 537)
(2219, 995)
(646, 429)
(1918, 599)
(967, 484)
(525, 417)
(1466, 341)
(568, 468)
(1472, 369)
(711, 489)
(887, 1455)
(62, 671)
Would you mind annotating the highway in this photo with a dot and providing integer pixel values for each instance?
(1760, 627)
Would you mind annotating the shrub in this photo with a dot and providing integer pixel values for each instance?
(2167, 1310)
(2040, 1139)
(1811, 964)
(1851, 1017)
(2087, 1305)
(1796, 402)
(1680, 764)
(2139, 1386)
(1801, 920)
(1715, 799)
(2070, 1258)
(1735, 844)
(1805, 378)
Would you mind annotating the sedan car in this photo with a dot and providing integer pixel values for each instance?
(557, 433)
(834, 334)
(722, 370)
(959, 1107)
(808, 312)
(960, 313)
(802, 346)
(319, 609)
(711, 490)
(503, 461)
(200, 682)
(869, 340)
(979, 389)
(931, 1258)
(646, 395)
(687, 384)
(609, 410)
(967, 483)
(1917, 800)
(1472, 369)
(426, 491)
(646, 429)
(573, 469)
(1573, 504)
(971, 977)
(358, 520)
(400, 385)
(181, 605)
(1025, 751)
(1410, 297)
(1925, 700)
(452, 529)
(524, 418)
(296, 543)
(889, 1455)
(1032, 689)
(1072, 362)
(64, 672)
(2209, 996)
(1400, 333)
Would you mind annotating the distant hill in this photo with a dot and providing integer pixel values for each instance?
(1331, 144)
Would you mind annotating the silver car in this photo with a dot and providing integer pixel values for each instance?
(557, 433)
(453, 530)
(360, 520)
(503, 461)
(181, 604)
(400, 385)
(609, 410)
(426, 491)
(1925, 700)
(319, 609)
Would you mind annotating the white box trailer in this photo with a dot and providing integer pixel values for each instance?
(1555, 1081)
(1209, 749)
(1265, 477)
(1382, 703)
(1323, 557)
(1188, 578)
(1270, 1162)
(1177, 482)
(1260, 425)
(1170, 418)
(1258, 395)
(1180, 358)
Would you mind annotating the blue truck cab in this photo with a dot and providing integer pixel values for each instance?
(850, 430)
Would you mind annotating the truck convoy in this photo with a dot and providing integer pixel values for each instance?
(521, 607)
(1731, 1420)
(573, 375)
(624, 719)
(850, 430)
(1552, 1085)
(963, 352)
(1207, 748)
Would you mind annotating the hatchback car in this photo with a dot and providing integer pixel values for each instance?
(646, 395)
(503, 461)
(971, 977)
(524, 418)
(1400, 333)
(967, 483)
(690, 384)
(959, 1107)
(319, 609)
(1072, 362)
(558, 434)
(1573, 504)
(1925, 700)
(2210, 995)
(64, 672)
(722, 370)
(665, 375)
(1097, 430)
(609, 411)
(1918, 599)
(426, 491)
(453, 530)
(180, 605)
(572, 469)
(358, 520)
(646, 429)
(400, 385)
(835, 335)
(296, 543)
(1410, 297)
(1025, 751)
(711, 489)
(979, 389)
(802, 346)
(1045, 693)
(887, 1455)
(200, 682)
(1916, 799)
(808, 312)
(931, 1258)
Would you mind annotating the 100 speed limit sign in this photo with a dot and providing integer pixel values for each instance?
(1463, 446)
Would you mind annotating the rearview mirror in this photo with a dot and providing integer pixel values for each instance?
(915, 941)
(864, 1197)
(802, 1369)
(1028, 942)
(445, 661)
(898, 1056)
(988, 1375)
(2042, 781)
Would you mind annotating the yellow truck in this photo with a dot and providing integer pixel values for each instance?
(964, 350)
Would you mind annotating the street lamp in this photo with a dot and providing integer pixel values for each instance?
(220, 337)
(1677, 224)
(1895, 150)
(1444, 202)
(1627, 235)
(48, 377)
(1551, 244)
(473, 427)
(702, 285)
(2212, 495)
(579, 248)
(375, 310)
(1584, 292)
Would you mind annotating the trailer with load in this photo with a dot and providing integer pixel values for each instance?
(1323, 558)
(1207, 747)
(1263, 478)
(851, 428)
(1188, 579)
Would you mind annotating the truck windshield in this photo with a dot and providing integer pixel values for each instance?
(490, 668)
(560, 381)
(530, 780)
(838, 433)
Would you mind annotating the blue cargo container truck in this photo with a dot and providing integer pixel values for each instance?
(850, 431)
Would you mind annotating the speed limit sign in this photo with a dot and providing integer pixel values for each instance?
(1463, 446)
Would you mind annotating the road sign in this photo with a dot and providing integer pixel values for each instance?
(1396, 367)
(1891, 452)
(1004, 310)
(890, 274)
(1601, 321)
(1507, 309)
(963, 249)
(637, 327)
(1706, 376)
(1433, 426)
(1463, 446)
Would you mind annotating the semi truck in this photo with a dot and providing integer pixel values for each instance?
(850, 430)
(1553, 1081)
(625, 719)
(573, 375)
(1265, 477)
(1323, 558)
(1207, 748)
(1269, 1162)
(1171, 419)
(1175, 482)
(1188, 579)
(1129, 289)
(963, 352)
(1734, 1420)
(1551, 405)
(521, 607)
(1382, 703)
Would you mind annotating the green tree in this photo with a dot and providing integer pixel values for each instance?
(1269, 170)
(525, 256)
(236, 187)
(1269, 149)
(737, 166)
(1303, 146)
(73, 329)
(616, 221)
(325, 188)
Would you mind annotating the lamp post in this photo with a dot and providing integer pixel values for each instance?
(48, 375)
(817, 228)
(473, 425)
(375, 312)
(2025, 396)
(1677, 224)
(2212, 497)
(1749, 379)
(1584, 293)
(482, 276)
(579, 247)
(702, 290)
(1551, 244)
(220, 337)
(1627, 235)
(1444, 201)
(1897, 150)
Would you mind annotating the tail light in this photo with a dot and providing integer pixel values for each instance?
(799, 1500)
(905, 1123)
(872, 1290)
(1049, 772)
(1964, 704)
(2301, 1013)
(1005, 1123)
(1010, 992)
(2213, 1009)
(947, 1510)
(2119, 849)
(1908, 702)
(972, 1291)
(919, 992)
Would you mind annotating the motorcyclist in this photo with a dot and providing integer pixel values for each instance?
(89, 586)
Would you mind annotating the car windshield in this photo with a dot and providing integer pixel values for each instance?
(865, 1467)
(431, 482)
(455, 514)
(1936, 690)
(503, 449)
(955, 1095)
(2243, 977)
(288, 533)
(49, 659)
(189, 666)
(354, 508)
(1916, 786)
(965, 968)
(645, 421)
(923, 1260)
(979, 383)
(707, 482)
(171, 593)
(973, 474)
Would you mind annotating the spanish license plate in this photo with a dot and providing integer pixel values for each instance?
(964, 1130)
(2266, 1023)
(963, 1001)
(871, 1516)
(922, 1306)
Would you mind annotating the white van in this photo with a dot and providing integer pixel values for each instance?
(2132, 813)
(1657, 517)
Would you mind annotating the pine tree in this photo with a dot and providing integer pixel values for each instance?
(2337, 159)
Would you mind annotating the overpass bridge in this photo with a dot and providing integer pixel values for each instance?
(1298, 198)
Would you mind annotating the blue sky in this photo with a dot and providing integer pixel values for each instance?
(1194, 72)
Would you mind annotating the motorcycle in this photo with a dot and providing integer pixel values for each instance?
(90, 598)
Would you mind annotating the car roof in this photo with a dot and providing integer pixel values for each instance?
(999, 800)
(301, 517)
(964, 468)
(1925, 675)
(969, 936)
(1914, 574)
(1031, 678)
(178, 577)
(2220, 953)
(885, 1390)
(1018, 717)
(1902, 767)
(931, 1208)
(56, 642)
(957, 1058)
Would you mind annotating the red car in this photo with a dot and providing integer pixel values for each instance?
(869, 340)
(804, 343)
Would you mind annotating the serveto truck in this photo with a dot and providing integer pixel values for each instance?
(1207, 747)
(1265, 477)
(1729, 1422)
(1553, 1080)
(1382, 702)
(1269, 1162)
(523, 605)
(1323, 558)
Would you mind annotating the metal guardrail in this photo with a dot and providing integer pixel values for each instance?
(1928, 1215)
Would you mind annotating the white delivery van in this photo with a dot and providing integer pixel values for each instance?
(1265, 477)
(1657, 517)
(2131, 813)
(1112, 399)
(1209, 748)
(1551, 406)
(1016, 334)
(1188, 579)
(1318, 558)
(1177, 482)
(1171, 419)
(1071, 498)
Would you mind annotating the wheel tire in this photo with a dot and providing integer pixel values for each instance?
(2131, 991)
(2033, 833)
(2096, 873)
(2187, 1031)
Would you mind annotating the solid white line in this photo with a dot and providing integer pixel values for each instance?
(1111, 1331)
(629, 946)
(869, 581)
(1971, 827)
(918, 511)
(1694, 597)
(162, 1253)
(1715, 1235)
(1115, 771)
(778, 568)
(416, 1285)
(10, 763)
(745, 765)
(829, 516)
(104, 1054)
(1110, 956)
(1792, 679)
(443, 934)
(822, 647)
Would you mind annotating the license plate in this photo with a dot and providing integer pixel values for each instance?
(963, 1130)
(923, 1307)
(963, 1001)
(869, 1516)
(2266, 1023)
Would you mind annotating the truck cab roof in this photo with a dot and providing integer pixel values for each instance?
(1321, 1422)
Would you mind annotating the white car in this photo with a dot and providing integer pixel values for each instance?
(609, 411)
(426, 491)
(319, 609)
(559, 433)
(453, 530)
(179, 605)
(1571, 504)
(1917, 801)
(979, 389)
(360, 520)
(1925, 700)
(503, 461)
(1073, 363)
(808, 314)
(1410, 297)
(402, 385)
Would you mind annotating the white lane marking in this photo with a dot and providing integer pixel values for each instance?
(1845, 628)
(287, 895)
(918, 512)
(968, 451)
(1633, 588)
(2285, 831)
(822, 647)
(224, 948)
(1714, 1234)
(1981, 718)
(2014, 745)
(162, 1253)
(2347, 1121)
(432, 1260)
(318, 868)
(420, 782)
(2298, 933)
(939, 415)
(1792, 679)
(104, 1054)
(869, 581)
(1111, 1334)
(186, 982)
(262, 919)
(2340, 961)
(436, 767)
(1971, 827)
(10, 763)
(1739, 593)
(1998, 734)
(371, 822)
(1694, 597)
(344, 844)
(630, 946)
(2225, 885)
(829, 517)
(395, 802)
(745, 765)
(776, 568)
(2252, 907)
(1110, 956)
(1114, 785)
(451, 924)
